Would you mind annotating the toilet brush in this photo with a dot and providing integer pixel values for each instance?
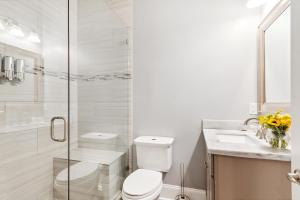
(182, 196)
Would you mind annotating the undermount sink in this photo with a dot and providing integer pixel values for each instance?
(227, 138)
(235, 137)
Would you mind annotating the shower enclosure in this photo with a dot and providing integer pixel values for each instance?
(65, 85)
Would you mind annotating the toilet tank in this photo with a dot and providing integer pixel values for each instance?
(154, 153)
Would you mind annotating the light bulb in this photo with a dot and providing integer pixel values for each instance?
(16, 31)
(255, 3)
(2, 26)
(34, 37)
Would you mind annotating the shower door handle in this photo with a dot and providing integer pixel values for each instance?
(52, 129)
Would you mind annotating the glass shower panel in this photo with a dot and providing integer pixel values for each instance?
(103, 79)
(34, 90)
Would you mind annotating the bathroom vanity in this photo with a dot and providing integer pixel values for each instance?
(241, 166)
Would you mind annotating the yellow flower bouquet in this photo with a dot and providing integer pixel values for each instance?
(279, 124)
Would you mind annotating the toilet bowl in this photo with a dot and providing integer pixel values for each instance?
(83, 182)
(154, 156)
(142, 184)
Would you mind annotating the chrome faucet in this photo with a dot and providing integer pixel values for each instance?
(260, 133)
(250, 119)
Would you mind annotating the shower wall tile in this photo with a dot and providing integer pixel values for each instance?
(20, 113)
(19, 92)
(52, 109)
(95, 145)
(46, 144)
(34, 152)
(36, 172)
(103, 105)
(102, 48)
(110, 91)
(106, 111)
(14, 145)
(2, 114)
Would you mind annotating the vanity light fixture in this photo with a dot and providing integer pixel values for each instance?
(2, 28)
(12, 27)
(16, 30)
(255, 3)
(34, 37)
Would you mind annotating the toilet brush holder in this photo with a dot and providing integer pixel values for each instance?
(182, 195)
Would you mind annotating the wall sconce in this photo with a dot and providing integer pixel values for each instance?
(34, 37)
(2, 28)
(255, 3)
(16, 30)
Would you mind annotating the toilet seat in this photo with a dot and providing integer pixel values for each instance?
(142, 184)
(152, 196)
(78, 172)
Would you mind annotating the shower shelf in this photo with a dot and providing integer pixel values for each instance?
(32, 126)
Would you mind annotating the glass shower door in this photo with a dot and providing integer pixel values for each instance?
(102, 74)
(34, 100)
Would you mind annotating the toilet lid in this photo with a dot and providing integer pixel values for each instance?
(77, 171)
(142, 182)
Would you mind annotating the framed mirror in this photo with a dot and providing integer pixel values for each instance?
(274, 66)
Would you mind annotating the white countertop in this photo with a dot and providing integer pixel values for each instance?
(257, 148)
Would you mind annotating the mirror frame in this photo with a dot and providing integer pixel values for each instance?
(274, 14)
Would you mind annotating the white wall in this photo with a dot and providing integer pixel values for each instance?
(192, 60)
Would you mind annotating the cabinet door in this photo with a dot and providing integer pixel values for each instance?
(251, 179)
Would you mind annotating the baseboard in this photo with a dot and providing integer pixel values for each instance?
(169, 192)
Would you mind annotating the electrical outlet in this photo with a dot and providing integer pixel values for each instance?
(253, 109)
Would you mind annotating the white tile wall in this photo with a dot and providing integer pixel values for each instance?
(103, 105)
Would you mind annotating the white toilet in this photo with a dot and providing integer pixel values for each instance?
(154, 156)
(84, 177)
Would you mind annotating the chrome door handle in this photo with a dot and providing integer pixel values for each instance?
(294, 177)
(52, 134)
